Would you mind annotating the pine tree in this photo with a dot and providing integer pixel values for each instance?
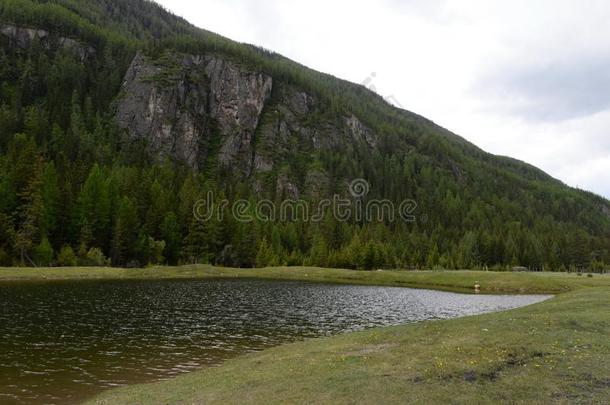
(354, 252)
(94, 204)
(318, 255)
(43, 253)
(170, 233)
(203, 242)
(245, 244)
(194, 249)
(50, 199)
(31, 211)
(265, 256)
(157, 207)
(125, 232)
(433, 256)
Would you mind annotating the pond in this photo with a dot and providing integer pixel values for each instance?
(63, 342)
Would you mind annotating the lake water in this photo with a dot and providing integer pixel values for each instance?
(62, 342)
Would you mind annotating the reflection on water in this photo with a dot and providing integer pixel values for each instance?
(62, 342)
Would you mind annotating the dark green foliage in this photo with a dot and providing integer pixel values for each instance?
(170, 233)
(73, 189)
(94, 257)
(125, 233)
(66, 257)
(43, 253)
(266, 256)
(94, 205)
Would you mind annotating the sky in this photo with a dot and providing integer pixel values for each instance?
(528, 79)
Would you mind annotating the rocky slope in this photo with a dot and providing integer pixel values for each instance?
(196, 108)
(24, 37)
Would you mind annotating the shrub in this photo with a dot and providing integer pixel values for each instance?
(95, 257)
(67, 257)
(43, 253)
(156, 249)
(5, 258)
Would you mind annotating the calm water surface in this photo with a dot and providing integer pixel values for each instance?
(62, 342)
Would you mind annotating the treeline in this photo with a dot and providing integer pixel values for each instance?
(63, 212)
(76, 191)
(58, 207)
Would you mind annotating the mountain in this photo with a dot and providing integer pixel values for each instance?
(116, 117)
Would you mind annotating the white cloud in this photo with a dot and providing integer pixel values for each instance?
(525, 78)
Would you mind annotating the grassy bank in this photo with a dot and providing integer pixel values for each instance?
(554, 352)
(491, 282)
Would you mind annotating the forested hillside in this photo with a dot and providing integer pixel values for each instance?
(116, 117)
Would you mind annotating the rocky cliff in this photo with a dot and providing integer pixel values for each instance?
(23, 37)
(197, 108)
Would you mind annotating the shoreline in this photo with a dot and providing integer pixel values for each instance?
(461, 281)
(552, 351)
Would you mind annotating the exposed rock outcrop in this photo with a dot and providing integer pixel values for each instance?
(359, 131)
(23, 37)
(237, 99)
(183, 105)
(168, 112)
(193, 108)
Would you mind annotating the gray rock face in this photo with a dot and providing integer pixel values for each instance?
(295, 124)
(171, 118)
(193, 108)
(237, 98)
(286, 189)
(183, 105)
(358, 131)
(24, 37)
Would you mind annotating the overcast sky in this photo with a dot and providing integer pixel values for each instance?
(528, 79)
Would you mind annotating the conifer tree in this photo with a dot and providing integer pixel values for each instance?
(125, 233)
(50, 199)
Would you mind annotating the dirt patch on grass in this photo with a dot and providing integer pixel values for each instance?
(513, 360)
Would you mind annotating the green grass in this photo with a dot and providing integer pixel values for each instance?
(554, 352)
(491, 282)
(557, 351)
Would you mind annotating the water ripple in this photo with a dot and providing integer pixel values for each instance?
(66, 341)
